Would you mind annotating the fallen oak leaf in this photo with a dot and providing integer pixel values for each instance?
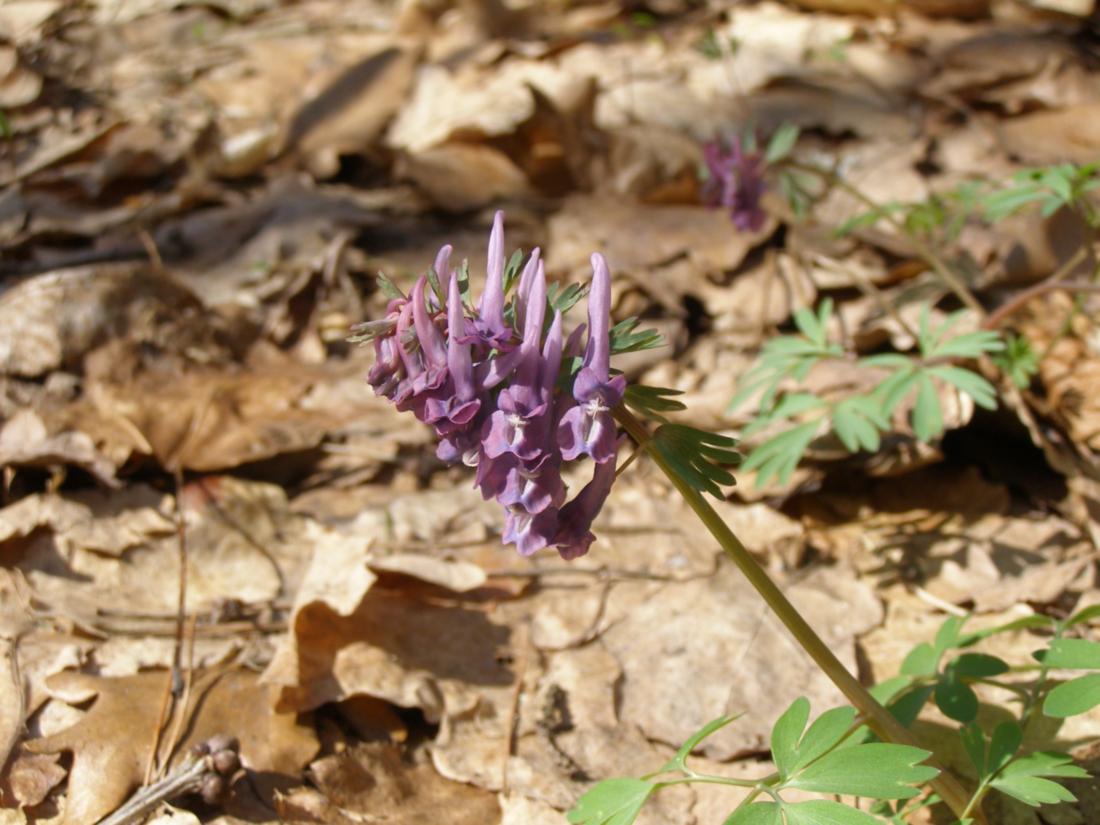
(109, 751)
(113, 741)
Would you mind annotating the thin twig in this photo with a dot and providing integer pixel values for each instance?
(158, 729)
(185, 698)
(186, 779)
(176, 684)
(1052, 282)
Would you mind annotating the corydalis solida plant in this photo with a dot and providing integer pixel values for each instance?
(504, 390)
(508, 394)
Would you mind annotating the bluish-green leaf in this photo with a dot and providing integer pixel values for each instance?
(826, 812)
(887, 690)
(968, 345)
(1074, 654)
(853, 427)
(785, 735)
(907, 707)
(948, 634)
(1003, 745)
(922, 660)
(758, 813)
(896, 387)
(611, 802)
(1024, 623)
(927, 417)
(1086, 615)
(814, 326)
(825, 733)
(1022, 778)
(877, 770)
(1032, 790)
(1073, 697)
(782, 142)
(973, 740)
(779, 455)
(981, 391)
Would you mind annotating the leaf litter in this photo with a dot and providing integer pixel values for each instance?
(196, 200)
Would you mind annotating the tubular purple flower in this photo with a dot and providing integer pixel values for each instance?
(497, 369)
(442, 265)
(533, 486)
(523, 290)
(459, 360)
(574, 534)
(514, 426)
(489, 326)
(455, 408)
(429, 381)
(528, 532)
(588, 428)
(736, 182)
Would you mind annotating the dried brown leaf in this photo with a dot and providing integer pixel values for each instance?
(112, 743)
(25, 441)
(31, 777)
(375, 779)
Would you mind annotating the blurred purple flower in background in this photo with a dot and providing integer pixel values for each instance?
(490, 381)
(736, 181)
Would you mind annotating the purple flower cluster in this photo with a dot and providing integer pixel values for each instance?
(736, 181)
(489, 379)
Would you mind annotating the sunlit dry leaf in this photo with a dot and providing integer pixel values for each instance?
(458, 576)
(471, 101)
(463, 176)
(950, 532)
(25, 441)
(1055, 136)
(720, 653)
(347, 112)
(22, 20)
(107, 763)
(243, 546)
(103, 523)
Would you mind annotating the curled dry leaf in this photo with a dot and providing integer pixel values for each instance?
(25, 441)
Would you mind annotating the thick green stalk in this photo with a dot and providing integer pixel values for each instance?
(878, 718)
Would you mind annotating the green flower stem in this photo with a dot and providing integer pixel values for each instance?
(878, 718)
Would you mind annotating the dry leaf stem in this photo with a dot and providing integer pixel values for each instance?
(878, 718)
